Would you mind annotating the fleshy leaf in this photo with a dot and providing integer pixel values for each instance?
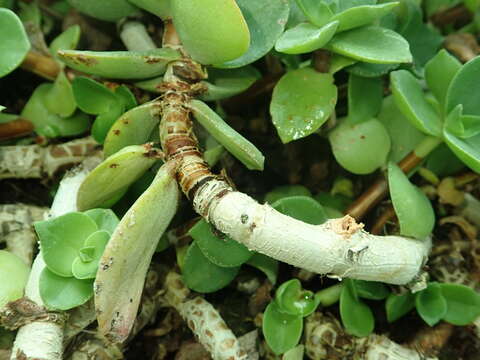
(371, 70)
(60, 99)
(286, 191)
(120, 64)
(266, 20)
(125, 261)
(91, 96)
(464, 89)
(202, 275)
(222, 251)
(265, 264)
(466, 150)
(397, 306)
(212, 32)
(61, 239)
(14, 274)
(108, 10)
(360, 148)
(410, 99)
(439, 72)
(371, 289)
(357, 318)
(114, 174)
(305, 37)
(223, 84)
(414, 210)
(302, 208)
(293, 300)
(463, 304)
(67, 40)
(235, 143)
(372, 44)
(133, 128)
(365, 97)
(161, 8)
(104, 121)
(63, 293)
(317, 12)
(302, 101)
(82, 269)
(104, 218)
(362, 15)
(430, 304)
(14, 43)
(282, 331)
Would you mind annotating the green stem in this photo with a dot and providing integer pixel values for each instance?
(426, 146)
(330, 295)
(135, 37)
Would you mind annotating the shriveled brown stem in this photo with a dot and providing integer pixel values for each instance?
(15, 128)
(41, 65)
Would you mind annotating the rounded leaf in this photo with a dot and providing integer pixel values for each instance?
(161, 8)
(413, 209)
(357, 318)
(14, 274)
(463, 304)
(266, 264)
(302, 101)
(223, 84)
(63, 293)
(372, 44)
(371, 70)
(266, 20)
(14, 43)
(302, 208)
(212, 31)
(362, 15)
(430, 304)
(466, 150)
(60, 99)
(317, 12)
(85, 267)
(365, 97)
(115, 174)
(202, 275)
(104, 218)
(67, 40)
(360, 148)
(120, 64)
(282, 331)
(305, 37)
(222, 251)
(108, 10)
(104, 121)
(371, 289)
(286, 191)
(292, 299)
(91, 96)
(61, 238)
(397, 306)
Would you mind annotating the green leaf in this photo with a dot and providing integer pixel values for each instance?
(372, 44)
(360, 148)
(133, 127)
(161, 8)
(305, 37)
(126, 97)
(302, 101)
(302, 208)
(219, 249)
(403, 135)
(317, 12)
(357, 318)
(467, 150)
(265, 264)
(371, 70)
(114, 174)
(61, 239)
(235, 143)
(108, 10)
(430, 304)
(125, 261)
(463, 304)
(282, 331)
(82, 269)
(370, 289)
(60, 99)
(120, 64)
(443, 162)
(14, 43)
(47, 123)
(411, 101)
(266, 20)
(362, 15)
(67, 40)
(212, 32)
(286, 191)
(439, 72)
(293, 300)
(338, 201)
(202, 275)
(414, 210)
(63, 293)
(342, 5)
(365, 97)
(397, 306)
(464, 88)
(104, 121)
(91, 96)
(14, 274)
(104, 218)
(223, 84)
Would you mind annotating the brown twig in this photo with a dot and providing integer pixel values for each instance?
(458, 15)
(15, 128)
(386, 216)
(41, 65)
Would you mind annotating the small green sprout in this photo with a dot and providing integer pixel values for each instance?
(14, 274)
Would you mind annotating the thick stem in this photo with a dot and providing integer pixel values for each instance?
(135, 37)
(376, 192)
(41, 65)
(15, 128)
